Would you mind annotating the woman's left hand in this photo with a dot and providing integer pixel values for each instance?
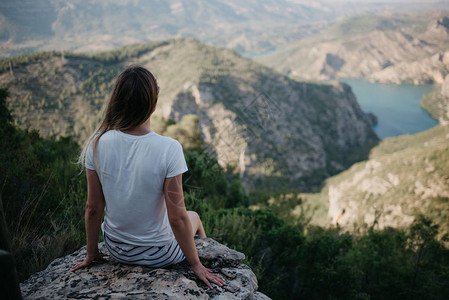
(207, 276)
(88, 261)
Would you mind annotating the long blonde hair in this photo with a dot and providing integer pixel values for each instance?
(132, 102)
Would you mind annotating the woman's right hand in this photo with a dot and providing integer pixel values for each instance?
(88, 261)
(207, 276)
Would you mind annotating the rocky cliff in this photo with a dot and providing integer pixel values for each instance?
(113, 280)
(437, 102)
(274, 130)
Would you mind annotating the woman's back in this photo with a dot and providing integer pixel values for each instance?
(132, 170)
(135, 179)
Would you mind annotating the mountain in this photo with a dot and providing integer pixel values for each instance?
(272, 129)
(404, 177)
(245, 26)
(431, 69)
(399, 49)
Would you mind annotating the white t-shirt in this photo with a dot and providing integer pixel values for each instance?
(132, 170)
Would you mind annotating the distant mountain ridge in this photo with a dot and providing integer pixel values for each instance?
(407, 49)
(275, 131)
(245, 26)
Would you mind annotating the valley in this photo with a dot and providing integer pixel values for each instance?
(315, 132)
(404, 177)
(242, 112)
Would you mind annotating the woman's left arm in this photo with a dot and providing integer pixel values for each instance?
(93, 216)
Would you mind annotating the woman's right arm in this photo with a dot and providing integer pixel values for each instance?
(93, 216)
(182, 228)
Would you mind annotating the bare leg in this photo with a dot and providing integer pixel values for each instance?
(197, 225)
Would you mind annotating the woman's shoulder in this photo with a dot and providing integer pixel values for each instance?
(152, 138)
(165, 140)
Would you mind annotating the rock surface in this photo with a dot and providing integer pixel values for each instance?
(115, 280)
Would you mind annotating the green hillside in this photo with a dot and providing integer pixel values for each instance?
(244, 109)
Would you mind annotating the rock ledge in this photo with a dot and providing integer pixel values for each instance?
(112, 280)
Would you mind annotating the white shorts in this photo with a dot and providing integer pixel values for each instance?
(151, 256)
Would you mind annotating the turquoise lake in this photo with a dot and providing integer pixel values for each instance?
(397, 107)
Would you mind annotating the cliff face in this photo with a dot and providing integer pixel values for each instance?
(271, 128)
(118, 281)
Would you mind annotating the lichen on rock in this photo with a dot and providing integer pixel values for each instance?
(113, 280)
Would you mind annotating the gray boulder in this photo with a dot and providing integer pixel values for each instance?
(113, 280)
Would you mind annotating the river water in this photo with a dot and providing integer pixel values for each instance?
(397, 107)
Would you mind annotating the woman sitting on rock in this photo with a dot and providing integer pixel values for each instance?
(134, 177)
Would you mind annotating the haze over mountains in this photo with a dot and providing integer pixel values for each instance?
(245, 26)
